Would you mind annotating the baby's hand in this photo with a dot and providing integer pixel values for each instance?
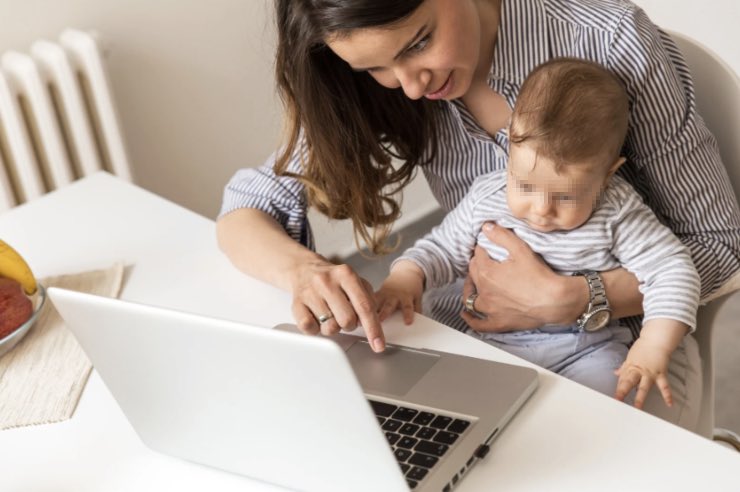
(402, 289)
(646, 364)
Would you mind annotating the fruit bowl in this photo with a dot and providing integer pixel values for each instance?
(10, 340)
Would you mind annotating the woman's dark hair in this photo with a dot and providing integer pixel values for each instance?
(350, 125)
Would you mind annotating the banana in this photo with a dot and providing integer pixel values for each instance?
(12, 265)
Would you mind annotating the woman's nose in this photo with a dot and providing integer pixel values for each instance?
(414, 82)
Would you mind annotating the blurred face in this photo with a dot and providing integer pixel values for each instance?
(433, 53)
(548, 201)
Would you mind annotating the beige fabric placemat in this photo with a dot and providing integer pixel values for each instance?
(42, 378)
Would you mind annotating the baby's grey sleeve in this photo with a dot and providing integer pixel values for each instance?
(668, 278)
(444, 253)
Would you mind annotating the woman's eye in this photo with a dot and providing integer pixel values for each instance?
(526, 188)
(423, 42)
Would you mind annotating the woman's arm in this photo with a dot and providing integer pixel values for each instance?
(673, 160)
(258, 246)
(523, 292)
(263, 229)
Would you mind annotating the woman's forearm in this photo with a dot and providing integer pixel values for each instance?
(257, 245)
(326, 297)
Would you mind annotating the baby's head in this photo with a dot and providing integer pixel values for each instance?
(566, 133)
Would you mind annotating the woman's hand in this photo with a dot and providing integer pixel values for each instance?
(337, 295)
(521, 292)
(259, 246)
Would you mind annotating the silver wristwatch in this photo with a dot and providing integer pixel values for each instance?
(598, 313)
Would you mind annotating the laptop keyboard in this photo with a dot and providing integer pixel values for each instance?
(419, 439)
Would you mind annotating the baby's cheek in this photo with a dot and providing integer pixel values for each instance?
(516, 206)
(574, 217)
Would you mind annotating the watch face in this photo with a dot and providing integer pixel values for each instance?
(598, 319)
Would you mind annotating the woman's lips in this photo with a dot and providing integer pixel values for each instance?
(444, 91)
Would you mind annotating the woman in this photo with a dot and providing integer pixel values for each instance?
(432, 83)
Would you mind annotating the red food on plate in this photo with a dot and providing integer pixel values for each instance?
(15, 307)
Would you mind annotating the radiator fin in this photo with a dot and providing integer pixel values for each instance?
(58, 121)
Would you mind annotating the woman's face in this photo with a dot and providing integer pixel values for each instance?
(433, 53)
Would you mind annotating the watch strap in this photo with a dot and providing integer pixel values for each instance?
(597, 291)
(597, 296)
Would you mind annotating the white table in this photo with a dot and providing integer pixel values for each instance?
(566, 437)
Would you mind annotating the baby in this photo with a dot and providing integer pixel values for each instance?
(560, 194)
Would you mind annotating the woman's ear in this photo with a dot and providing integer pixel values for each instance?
(613, 168)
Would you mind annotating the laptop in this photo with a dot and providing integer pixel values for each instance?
(307, 413)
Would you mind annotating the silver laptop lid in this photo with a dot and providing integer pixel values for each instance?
(264, 403)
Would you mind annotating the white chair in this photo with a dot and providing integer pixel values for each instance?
(717, 88)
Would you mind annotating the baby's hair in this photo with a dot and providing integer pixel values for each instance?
(571, 110)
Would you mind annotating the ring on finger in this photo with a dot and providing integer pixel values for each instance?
(470, 305)
(325, 317)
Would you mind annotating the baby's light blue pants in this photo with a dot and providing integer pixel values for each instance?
(589, 358)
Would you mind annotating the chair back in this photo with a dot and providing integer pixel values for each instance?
(717, 89)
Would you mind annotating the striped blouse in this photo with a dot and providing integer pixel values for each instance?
(622, 231)
(672, 160)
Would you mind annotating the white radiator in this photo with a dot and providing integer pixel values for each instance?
(57, 118)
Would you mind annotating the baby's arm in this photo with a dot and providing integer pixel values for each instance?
(444, 253)
(402, 289)
(647, 361)
(670, 285)
(438, 258)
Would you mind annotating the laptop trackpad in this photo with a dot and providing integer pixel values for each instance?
(395, 371)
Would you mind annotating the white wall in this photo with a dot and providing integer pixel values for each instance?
(713, 22)
(193, 83)
(192, 80)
